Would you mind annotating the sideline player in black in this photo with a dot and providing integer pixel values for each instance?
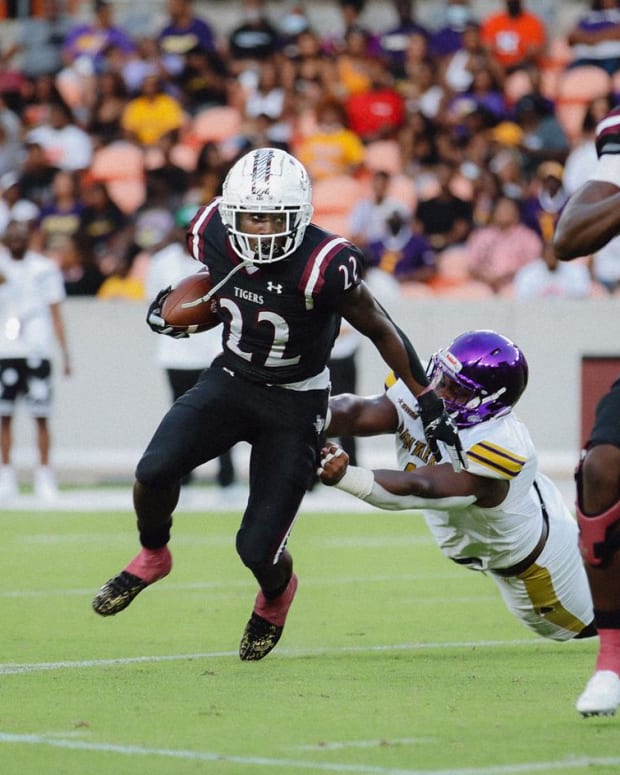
(589, 221)
(282, 285)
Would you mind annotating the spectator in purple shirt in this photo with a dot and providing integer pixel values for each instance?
(184, 32)
(595, 38)
(401, 252)
(88, 42)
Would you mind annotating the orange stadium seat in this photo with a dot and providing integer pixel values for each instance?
(575, 89)
(121, 166)
(213, 125)
(383, 155)
(334, 199)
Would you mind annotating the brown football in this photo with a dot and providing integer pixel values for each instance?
(178, 310)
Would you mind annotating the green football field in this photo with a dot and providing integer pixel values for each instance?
(393, 661)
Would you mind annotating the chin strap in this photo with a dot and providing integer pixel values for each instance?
(207, 296)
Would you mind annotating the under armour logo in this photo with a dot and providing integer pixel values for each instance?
(319, 423)
(274, 287)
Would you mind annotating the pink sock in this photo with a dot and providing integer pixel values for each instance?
(609, 651)
(151, 564)
(275, 610)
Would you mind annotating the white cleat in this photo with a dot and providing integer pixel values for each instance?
(601, 696)
(8, 484)
(45, 487)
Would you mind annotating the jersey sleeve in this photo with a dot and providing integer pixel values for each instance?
(493, 452)
(342, 272)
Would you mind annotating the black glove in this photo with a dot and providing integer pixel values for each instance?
(439, 426)
(157, 323)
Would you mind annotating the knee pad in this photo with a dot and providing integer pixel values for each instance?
(593, 542)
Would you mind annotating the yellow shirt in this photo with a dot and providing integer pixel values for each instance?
(151, 118)
(327, 154)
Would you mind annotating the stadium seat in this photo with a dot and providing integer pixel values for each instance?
(517, 85)
(129, 195)
(334, 199)
(118, 160)
(575, 89)
(402, 188)
(121, 166)
(213, 125)
(383, 155)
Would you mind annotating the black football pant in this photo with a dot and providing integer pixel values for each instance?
(284, 428)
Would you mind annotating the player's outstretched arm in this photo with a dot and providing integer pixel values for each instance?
(429, 487)
(352, 415)
(589, 221)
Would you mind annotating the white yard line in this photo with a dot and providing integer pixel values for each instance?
(266, 761)
(34, 667)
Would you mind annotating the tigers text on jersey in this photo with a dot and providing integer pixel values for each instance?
(500, 448)
(280, 319)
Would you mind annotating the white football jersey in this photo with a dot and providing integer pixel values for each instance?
(500, 448)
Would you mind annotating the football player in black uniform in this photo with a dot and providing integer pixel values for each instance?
(282, 286)
(590, 220)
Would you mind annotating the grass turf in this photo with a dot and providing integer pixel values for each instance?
(393, 660)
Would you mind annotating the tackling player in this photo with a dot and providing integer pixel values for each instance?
(501, 516)
(589, 221)
(282, 286)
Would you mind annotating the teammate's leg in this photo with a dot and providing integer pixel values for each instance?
(599, 521)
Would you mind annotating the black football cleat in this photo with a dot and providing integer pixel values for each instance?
(259, 638)
(261, 635)
(117, 593)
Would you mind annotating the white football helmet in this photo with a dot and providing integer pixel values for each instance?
(267, 180)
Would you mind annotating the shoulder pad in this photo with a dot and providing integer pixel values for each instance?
(608, 133)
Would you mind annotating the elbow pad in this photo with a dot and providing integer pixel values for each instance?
(361, 483)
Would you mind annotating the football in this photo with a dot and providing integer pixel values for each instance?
(180, 311)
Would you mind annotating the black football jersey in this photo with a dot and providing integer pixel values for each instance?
(280, 319)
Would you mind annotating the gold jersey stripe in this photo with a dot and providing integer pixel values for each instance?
(390, 380)
(544, 598)
(496, 458)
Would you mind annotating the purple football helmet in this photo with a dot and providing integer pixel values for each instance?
(482, 374)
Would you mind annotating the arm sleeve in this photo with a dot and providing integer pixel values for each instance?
(361, 483)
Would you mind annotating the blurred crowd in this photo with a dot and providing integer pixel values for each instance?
(445, 152)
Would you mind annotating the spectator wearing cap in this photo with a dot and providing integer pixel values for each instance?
(515, 36)
(87, 42)
(542, 207)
